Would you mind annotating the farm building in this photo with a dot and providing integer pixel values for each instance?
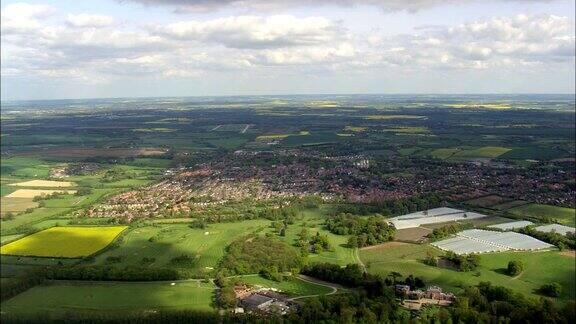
(257, 302)
(512, 225)
(431, 216)
(482, 241)
(560, 229)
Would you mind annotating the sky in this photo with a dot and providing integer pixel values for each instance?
(156, 48)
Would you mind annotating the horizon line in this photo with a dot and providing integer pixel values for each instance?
(299, 95)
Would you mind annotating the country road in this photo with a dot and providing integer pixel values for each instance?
(334, 287)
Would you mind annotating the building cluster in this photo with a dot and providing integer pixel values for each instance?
(262, 300)
(415, 299)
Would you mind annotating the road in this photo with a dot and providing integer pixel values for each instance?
(315, 281)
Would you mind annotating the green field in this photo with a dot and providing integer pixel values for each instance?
(164, 242)
(290, 286)
(541, 268)
(312, 220)
(566, 216)
(63, 297)
(444, 153)
(65, 242)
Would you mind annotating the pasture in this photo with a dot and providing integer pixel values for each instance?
(162, 243)
(64, 242)
(541, 268)
(565, 216)
(61, 297)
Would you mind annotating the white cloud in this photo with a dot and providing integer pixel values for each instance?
(393, 5)
(23, 17)
(87, 20)
(255, 32)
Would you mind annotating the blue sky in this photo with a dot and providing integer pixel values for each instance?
(88, 49)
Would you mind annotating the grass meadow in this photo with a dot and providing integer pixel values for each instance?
(541, 268)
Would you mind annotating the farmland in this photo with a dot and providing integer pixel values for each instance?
(65, 242)
(162, 190)
(566, 216)
(162, 243)
(59, 298)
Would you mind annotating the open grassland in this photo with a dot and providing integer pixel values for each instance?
(162, 243)
(65, 242)
(62, 297)
(43, 183)
(444, 153)
(483, 152)
(31, 193)
(312, 221)
(541, 268)
(24, 167)
(566, 216)
(291, 286)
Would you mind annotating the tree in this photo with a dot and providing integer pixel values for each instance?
(395, 275)
(515, 267)
(551, 290)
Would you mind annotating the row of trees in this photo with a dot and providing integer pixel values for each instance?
(364, 231)
(393, 207)
(561, 241)
(445, 231)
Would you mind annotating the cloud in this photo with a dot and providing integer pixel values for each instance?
(253, 32)
(504, 42)
(392, 5)
(23, 17)
(92, 48)
(89, 21)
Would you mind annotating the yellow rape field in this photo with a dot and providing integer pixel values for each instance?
(64, 242)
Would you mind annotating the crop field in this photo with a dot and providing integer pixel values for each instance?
(61, 297)
(43, 183)
(436, 215)
(464, 153)
(290, 286)
(65, 242)
(560, 229)
(541, 268)
(90, 152)
(164, 242)
(566, 216)
(487, 201)
(16, 204)
(31, 193)
(413, 234)
(445, 153)
(482, 241)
